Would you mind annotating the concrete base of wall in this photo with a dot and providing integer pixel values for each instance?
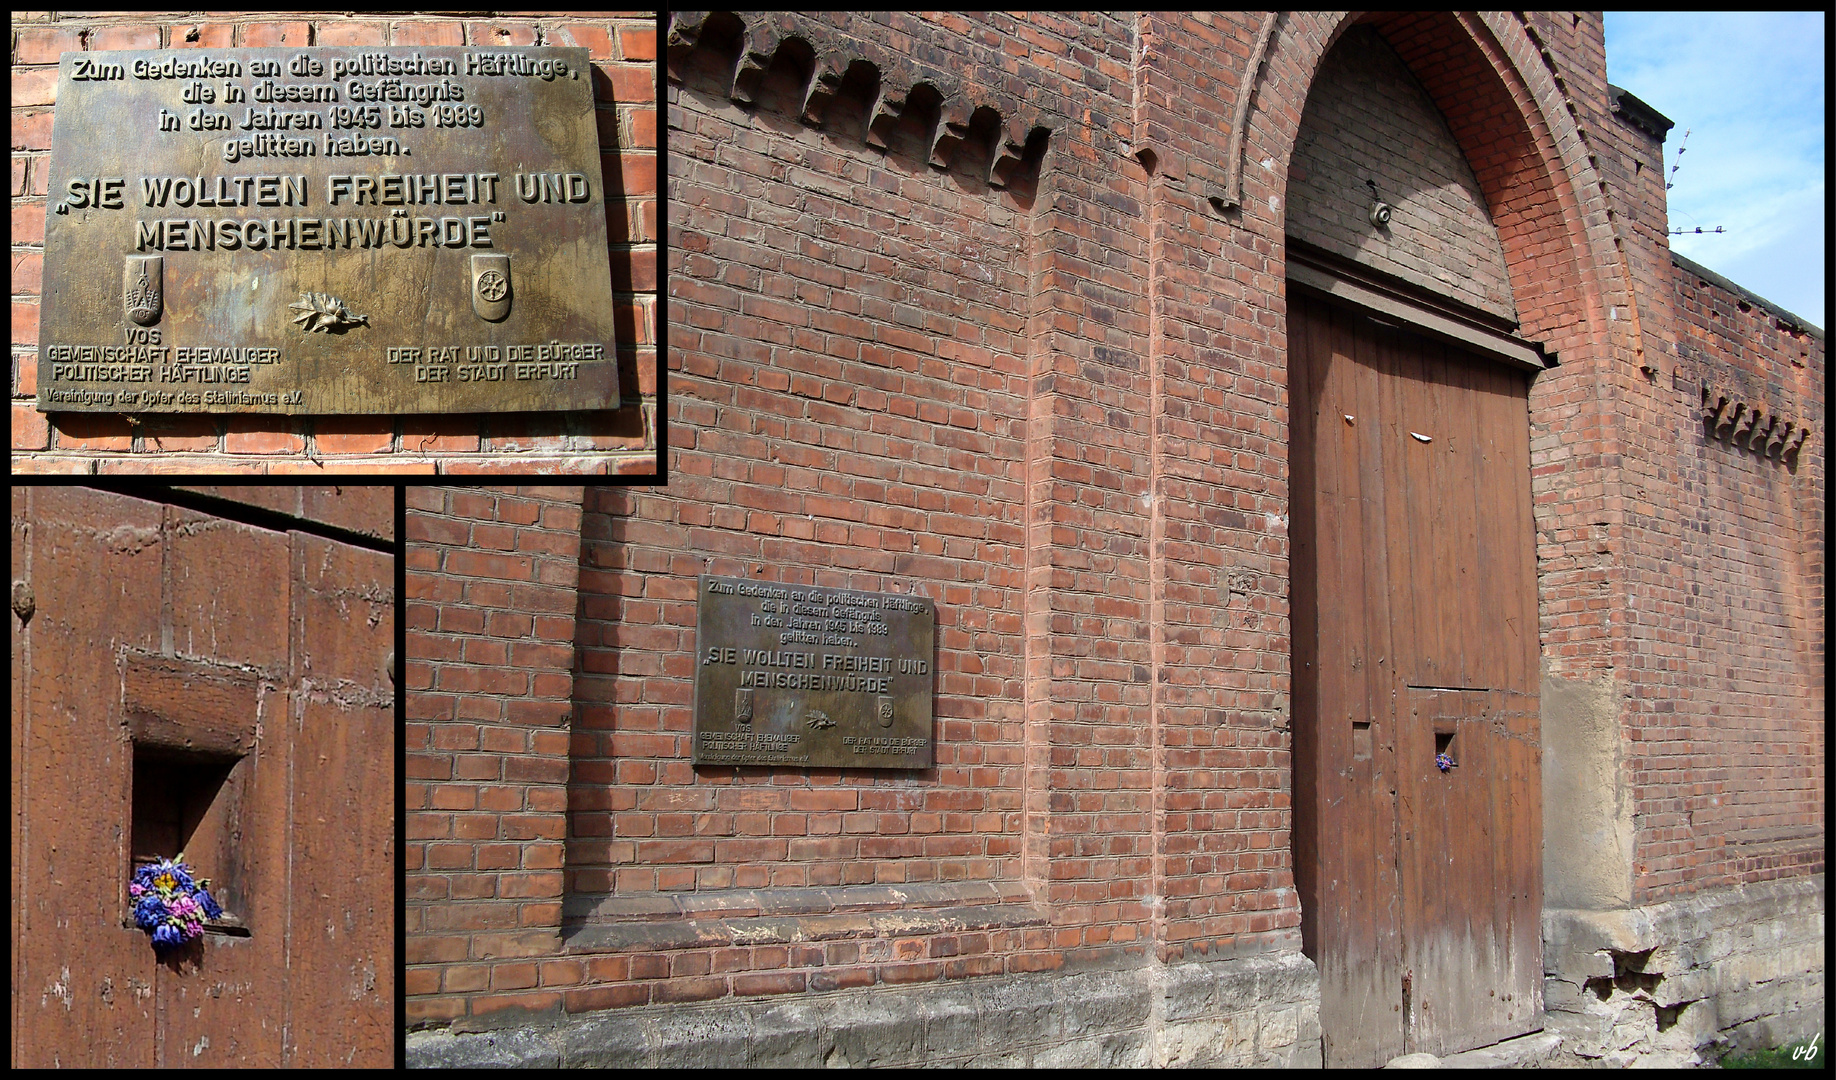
(1666, 984)
(1262, 1010)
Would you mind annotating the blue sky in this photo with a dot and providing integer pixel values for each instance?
(1751, 88)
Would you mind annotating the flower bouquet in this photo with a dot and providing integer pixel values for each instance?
(170, 904)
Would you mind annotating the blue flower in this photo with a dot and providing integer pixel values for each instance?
(167, 936)
(149, 912)
(209, 904)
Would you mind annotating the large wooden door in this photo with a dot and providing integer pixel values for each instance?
(1414, 614)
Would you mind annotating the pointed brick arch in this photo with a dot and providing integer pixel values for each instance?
(1508, 112)
(1545, 199)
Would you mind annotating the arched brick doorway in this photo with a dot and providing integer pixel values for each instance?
(1413, 577)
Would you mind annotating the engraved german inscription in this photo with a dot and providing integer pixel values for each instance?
(326, 230)
(805, 676)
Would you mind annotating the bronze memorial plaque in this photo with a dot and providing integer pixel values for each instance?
(341, 230)
(807, 676)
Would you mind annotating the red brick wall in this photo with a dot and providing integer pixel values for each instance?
(622, 47)
(489, 610)
(1694, 577)
(1729, 705)
(1104, 528)
(645, 823)
(893, 443)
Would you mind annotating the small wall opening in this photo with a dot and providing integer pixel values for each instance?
(1361, 740)
(172, 793)
(188, 803)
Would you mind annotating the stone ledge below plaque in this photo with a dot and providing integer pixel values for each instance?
(658, 921)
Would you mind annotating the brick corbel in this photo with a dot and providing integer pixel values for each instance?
(1021, 133)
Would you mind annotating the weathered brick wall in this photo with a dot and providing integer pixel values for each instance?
(1699, 567)
(490, 601)
(1367, 119)
(1727, 777)
(883, 443)
(1206, 479)
(622, 48)
(648, 828)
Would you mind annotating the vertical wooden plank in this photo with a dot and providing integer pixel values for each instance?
(18, 545)
(1368, 902)
(1514, 463)
(1355, 917)
(1427, 497)
(1447, 597)
(341, 941)
(1412, 566)
(1419, 811)
(1523, 714)
(1470, 918)
(1417, 632)
(1343, 951)
(1374, 371)
(228, 587)
(83, 990)
(1507, 546)
(1303, 573)
(1469, 637)
(1424, 476)
(1520, 890)
(1516, 802)
(1369, 578)
(1524, 725)
(1521, 791)
(1490, 499)
(1344, 847)
(1471, 982)
(1410, 559)
(1341, 602)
